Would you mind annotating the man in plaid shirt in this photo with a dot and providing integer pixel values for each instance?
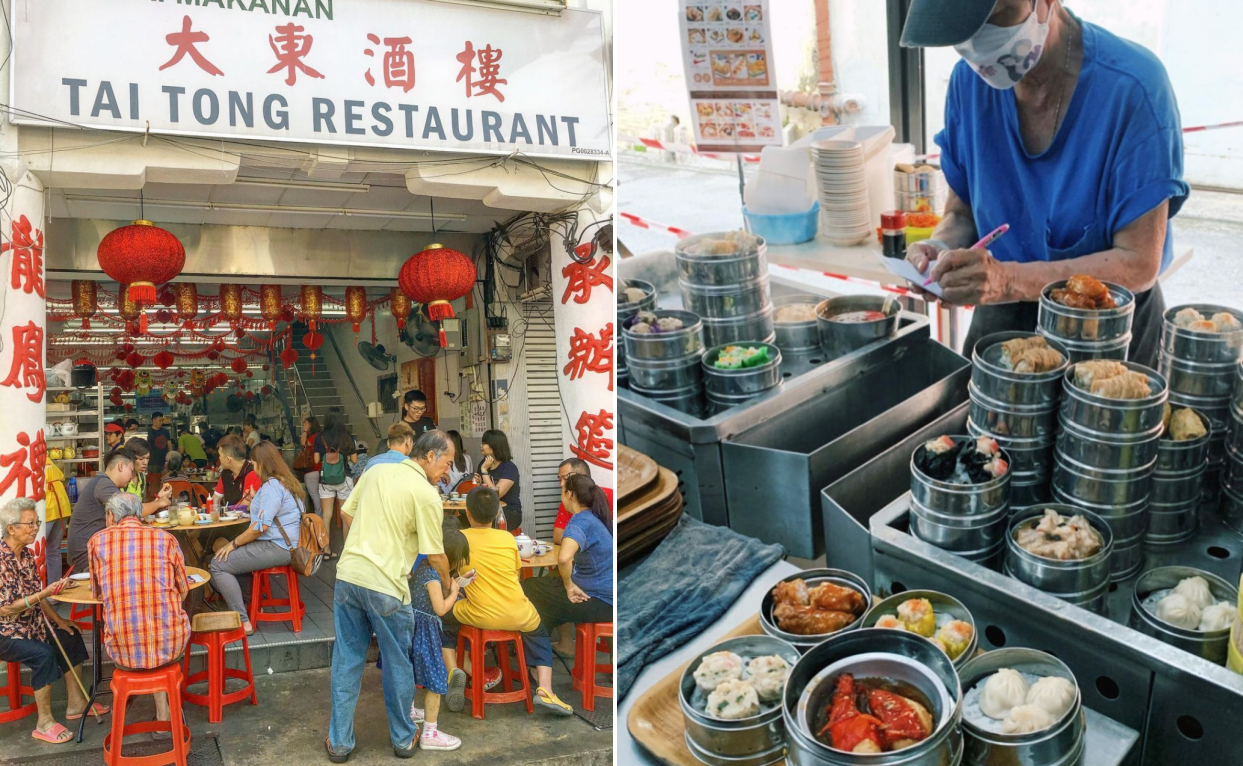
(140, 575)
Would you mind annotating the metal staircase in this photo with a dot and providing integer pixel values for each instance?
(317, 391)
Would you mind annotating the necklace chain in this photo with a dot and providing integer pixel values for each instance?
(1057, 115)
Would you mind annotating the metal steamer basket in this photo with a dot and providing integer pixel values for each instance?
(1082, 582)
(873, 653)
(1061, 744)
(943, 605)
(841, 338)
(969, 519)
(729, 388)
(1088, 334)
(1193, 346)
(749, 327)
(729, 301)
(627, 310)
(1173, 510)
(719, 269)
(666, 366)
(812, 577)
(998, 384)
(753, 741)
(798, 337)
(1211, 645)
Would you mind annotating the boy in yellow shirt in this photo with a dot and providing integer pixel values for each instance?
(495, 601)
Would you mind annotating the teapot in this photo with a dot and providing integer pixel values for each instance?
(186, 516)
(69, 428)
(526, 546)
(70, 453)
(54, 453)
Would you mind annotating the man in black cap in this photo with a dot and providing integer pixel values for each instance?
(1069, 134)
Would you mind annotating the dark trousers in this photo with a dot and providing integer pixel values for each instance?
(536, 642)
(555, 608)
(43, 658)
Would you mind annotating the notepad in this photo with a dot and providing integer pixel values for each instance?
(900, 267)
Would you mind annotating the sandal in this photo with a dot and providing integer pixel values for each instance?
(57, 735)
(545, 698)
(335, 757)
(96, 709)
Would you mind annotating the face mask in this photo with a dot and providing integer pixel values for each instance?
(1002, 55)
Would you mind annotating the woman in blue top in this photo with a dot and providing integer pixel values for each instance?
(499, 472)
(584, 590)
(276, 518)
(1066, 132)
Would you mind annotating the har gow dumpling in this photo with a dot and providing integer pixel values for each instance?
(1026, 719)
(717, 667)
(734, 698)
(1217, 616)
(1195, 590)
(768, 675)
(1003, 690)
(1179, 611)
(1054, 694)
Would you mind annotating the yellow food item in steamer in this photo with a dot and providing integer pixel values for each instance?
(1234, 654)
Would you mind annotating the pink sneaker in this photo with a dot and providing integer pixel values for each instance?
(416, 714)
(440, 741)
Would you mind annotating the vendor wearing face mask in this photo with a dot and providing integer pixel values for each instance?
(1066, 132)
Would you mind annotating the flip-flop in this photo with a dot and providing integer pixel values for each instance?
(97, 708)
(53, 735)
(551, 702)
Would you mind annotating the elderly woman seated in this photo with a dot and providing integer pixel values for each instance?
(27, 622)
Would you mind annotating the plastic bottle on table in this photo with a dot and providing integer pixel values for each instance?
(500, 520)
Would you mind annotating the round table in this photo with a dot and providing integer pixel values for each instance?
(79, 592)
(548, 560)
(205, 551)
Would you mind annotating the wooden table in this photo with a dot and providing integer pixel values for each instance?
(79, 592)
(205, 551)
(454, 505)
(548, 560)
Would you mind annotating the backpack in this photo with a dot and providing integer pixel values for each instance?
(312, 544)
(333, 470)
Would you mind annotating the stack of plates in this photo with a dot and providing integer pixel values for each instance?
(649, 504)
(843, 192)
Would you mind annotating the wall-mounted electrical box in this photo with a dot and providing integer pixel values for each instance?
(453, 334)
(499, 349)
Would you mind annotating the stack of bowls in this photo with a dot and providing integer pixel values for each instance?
(1061, 744)
(627, 310)
(753, 741)
(1019, 411)
(841, 183)
(812, 577)
(893, 655)
(729, 388)
(1086, 333)
(1209, 644)
(1105, 456)
(967, 519)
(1201, 368)
(665, 366)
(1232, 480)
(840, 338)
(1177, 481)
(729, 291)
(1082, 582)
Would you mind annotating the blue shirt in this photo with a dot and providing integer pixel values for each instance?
(392, 456)
(1117, 155)
(273, 504)
(593, 564)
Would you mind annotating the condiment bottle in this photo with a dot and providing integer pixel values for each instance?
(893, 234)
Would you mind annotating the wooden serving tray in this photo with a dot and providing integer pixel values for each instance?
(658, 494)
(635, 473)
(656, 720)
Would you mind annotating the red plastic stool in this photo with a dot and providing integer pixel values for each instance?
(13, 691)
(82, 615)
(261, 598)
(132, 683)
(214, 631)
(479, 640)
(589, 638)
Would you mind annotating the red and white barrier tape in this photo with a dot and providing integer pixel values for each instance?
(635, 220)
(652, 143)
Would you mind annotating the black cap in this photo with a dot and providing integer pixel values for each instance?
(942, 23)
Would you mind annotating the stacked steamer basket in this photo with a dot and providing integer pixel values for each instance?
(1082, 582)
(627, 309)
(1088, 333)
(1177, 483)
(1104, 461)
(797, 336)
(728, 387)
(1019, 411)
(664, 366)
(724, 279)
(1201, 368)
(1232, 479)
(968, 519)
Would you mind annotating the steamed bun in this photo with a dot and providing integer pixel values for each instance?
(1179, 611)
(1026, 719)
(1217, 616)
(1003, 690)
(1195, 590)
(1054, 694)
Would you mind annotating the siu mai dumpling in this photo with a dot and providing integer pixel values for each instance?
(1187, 317)
(1226, 322)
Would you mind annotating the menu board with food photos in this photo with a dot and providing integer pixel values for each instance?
(727, 55)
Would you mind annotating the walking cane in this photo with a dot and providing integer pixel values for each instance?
(72, 672)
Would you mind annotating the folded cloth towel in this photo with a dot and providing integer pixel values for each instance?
(687, 583)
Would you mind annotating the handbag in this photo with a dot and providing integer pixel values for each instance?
(304, 460)
(306, 557)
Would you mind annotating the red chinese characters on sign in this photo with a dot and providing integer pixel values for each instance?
(290, 46)
(592, 445)
(398, 63)
(26, 243)
(27, 368)
(186, 42)
(25, 467)
(488, 70)
(591, 353)
(584, 276)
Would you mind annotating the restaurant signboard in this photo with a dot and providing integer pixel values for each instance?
(414, 74)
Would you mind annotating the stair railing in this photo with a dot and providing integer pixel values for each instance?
(357, 393)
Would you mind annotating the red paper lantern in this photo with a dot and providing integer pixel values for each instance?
(135, 360)
(187, 301)
(312, 304)
(164, 360)
(130, 310)
(231, 302)
(213, 354)
(167, 297)
(355, 307)
(85, 300)
(288, 357)
(436, 276)
(239, 365)
(141, 256)
(163, 316)
(249, 395)
(270, 304)
(399, 306)
(312, 340)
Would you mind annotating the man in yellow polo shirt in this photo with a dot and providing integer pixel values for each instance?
(396, 513)
(495, 601)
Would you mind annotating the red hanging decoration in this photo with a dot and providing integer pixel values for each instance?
(141, 256)
(399, 306)
(187, 301)
(167, 297)
(130, 310)
(164, 360)
(239, 365)
(355, 308)
(436, 276)
(231, 302)
(270, 304)
(164, 316)
(85, 300)
(312, 305)
(213, 354)
(288, 357)
(135, 360)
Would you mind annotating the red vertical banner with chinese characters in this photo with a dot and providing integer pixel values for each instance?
(23, 345)
(585, 317)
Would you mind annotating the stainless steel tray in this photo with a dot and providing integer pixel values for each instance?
(1187, 708)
